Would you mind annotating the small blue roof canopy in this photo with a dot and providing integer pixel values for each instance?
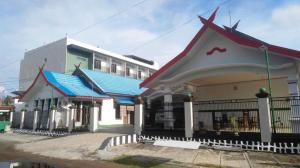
(71, 85)
(114, 84)
(124, 100)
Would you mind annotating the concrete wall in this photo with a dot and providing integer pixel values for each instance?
(108, 113)
(56, 60)
(242, 90)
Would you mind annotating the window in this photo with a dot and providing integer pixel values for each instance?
(36, 103)
(140, 74)
(127, 71)
(114, 68)
(97, 64)
(99, 114)
(118, 112)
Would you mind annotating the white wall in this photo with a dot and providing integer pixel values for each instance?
(243, 90)
(56, 61)
(108, 113)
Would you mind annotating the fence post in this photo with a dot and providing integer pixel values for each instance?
(35, 118)
(264, 119)
(11, 116)
(138, 116)
(52, 119)
(94, 110)
(188, 116)
(22, 117)
(71, 118)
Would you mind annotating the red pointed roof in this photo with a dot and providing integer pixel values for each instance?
(235, 36)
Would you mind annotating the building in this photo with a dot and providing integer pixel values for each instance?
(222, 70)
(61, 56)
(85, 99)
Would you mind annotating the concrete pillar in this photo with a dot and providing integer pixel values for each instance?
(265, 119)
(80, 110)
(22, 117)
(35, 119)
(168, 112)
(138, 116)
(188, 118)
(67, 117)
(11, 116)
(71, 118)
(94, 110)
(52, 119)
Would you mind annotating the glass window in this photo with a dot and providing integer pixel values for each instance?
(114, 68)
(140, 74)
(118, 112)
(127, 71)
(97, 64)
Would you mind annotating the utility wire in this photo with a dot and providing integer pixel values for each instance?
(108, 18)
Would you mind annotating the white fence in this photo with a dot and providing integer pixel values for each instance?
(222, 144)
(121, 140)
(42, 133)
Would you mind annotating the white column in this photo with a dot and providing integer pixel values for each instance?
(94, 110)
(168, 112)
(35, 119)
(71, 118)
(67, 117)
(11, 116)
(138, 118)
(80, 108)
(52, 119)
(189, 120)
(265, 119)
(22, 117)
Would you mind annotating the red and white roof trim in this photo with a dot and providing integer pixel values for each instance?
(208, 23)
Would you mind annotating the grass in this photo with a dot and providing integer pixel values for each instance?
(142, 161)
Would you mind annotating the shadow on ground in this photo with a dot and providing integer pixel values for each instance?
(142, 161)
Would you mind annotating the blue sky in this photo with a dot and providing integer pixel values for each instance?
(137, 30)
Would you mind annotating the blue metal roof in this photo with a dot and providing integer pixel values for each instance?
(71, 85)
(110, 83)
(124, 100)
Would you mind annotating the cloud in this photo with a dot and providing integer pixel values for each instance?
(27, 25)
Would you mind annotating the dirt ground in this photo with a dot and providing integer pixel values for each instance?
(206, 157)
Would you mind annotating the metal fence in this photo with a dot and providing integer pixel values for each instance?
(237, 115)
(285, 113)
(164, 116)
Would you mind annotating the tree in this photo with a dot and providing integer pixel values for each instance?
(8, 101)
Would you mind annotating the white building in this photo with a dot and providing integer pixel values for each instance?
(223, 69)
(62, 55)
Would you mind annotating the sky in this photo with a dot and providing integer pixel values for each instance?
(153, 29)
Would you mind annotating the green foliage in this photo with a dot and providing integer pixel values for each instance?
(8, 101)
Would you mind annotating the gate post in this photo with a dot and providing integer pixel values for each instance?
(71, 118)
(22, 117)
(188, 118)
(94, 110)
(264, 116)
(35, 118)
(138, 116)
(52, 119)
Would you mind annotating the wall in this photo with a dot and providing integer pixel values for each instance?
(54, 52)
(242, 90)
(108, 113)
(75, 56)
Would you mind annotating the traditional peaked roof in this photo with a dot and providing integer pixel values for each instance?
(114, 84)
(233, 35)
(68, 85)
